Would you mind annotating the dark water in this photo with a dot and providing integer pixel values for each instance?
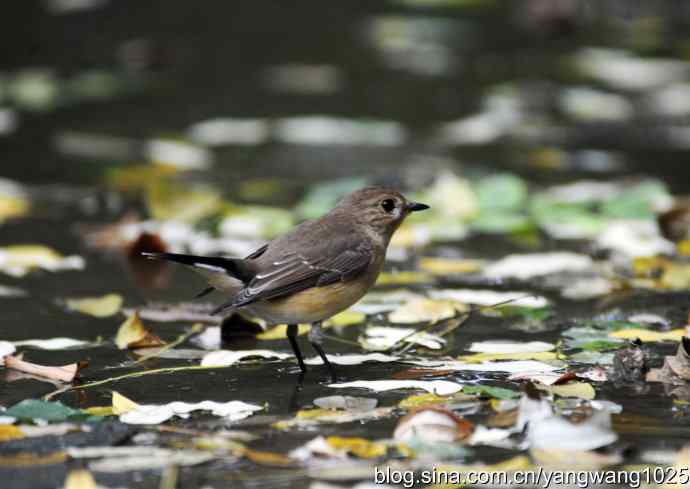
(180, 62)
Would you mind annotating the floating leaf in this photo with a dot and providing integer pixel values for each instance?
(447, 266)
(385, 338)
(581, 390)
(483, 357)
(403, 278)
(524, 267)
(491, 298)
(52, 343)
(18, 260)
(417, 400)
(432, 425)
(223, 358)
(647, 335)
(121, 404)
(345, 318)
(352, 359)
(167, 200)
(358, 447)
(491, 391)
(10, 432)
(439, 387)
(347, 403)
(64, 373)
(156, 414)
(426, 310)
(100, 307)
(31, 409)
(80, 479)
(500, 347)
(133, 334)
(280, 332)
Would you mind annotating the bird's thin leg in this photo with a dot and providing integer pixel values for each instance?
(292, 337)
(316, 340)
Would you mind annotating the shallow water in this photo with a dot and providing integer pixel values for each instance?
(182, 64)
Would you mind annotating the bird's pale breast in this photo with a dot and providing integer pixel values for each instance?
(316, 303)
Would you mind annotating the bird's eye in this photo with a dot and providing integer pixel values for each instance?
(388, 205)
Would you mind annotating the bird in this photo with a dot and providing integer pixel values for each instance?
(316, 270)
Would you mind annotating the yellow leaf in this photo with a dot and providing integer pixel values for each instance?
(280, 332)
(403, 278)
(483, 357)
(684, 247)
(100, 307)
(80, 479)
(25, 459)
(100, 410)
(12, 206)
(345, 318)
(316, 413)
(133, 334)
(138, 177)
(582, 390)
(167, 200)
(646, 335)
(10, 432)
(270, 459)
(426, 310)
(445, 266)
(416, 400)
(18, 260)
(358, 447)
(121, 404)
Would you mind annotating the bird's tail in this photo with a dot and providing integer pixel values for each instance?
(209, 265)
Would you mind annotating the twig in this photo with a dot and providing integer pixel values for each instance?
(197, 328)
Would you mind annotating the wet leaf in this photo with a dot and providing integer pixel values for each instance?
(52, 343)
(280, 332)
(133, 334)
(647, 335)
(555, 432)
(256, 222)
(513, 366)
(581, 390)
(501, 347)
(403, 278)
(100, 307)
(171, 201)
(80, 479)
(121, 404)
(491, 391)
(484, 357)
(307, 418)
(126, 459)
(440, 387)
(64, 373)
(10, 432)
(432, 425)
(426, 310)
(359, 447)
(32, 409)
(676, 369)
(524, 267)
(345, 318)
(18, 260)
(222, 358)
(156, 414)
(12, 207)
(417, 400)
(347, 403)
(492, 298)
(447, 266)
(352, 359)
(384, 338)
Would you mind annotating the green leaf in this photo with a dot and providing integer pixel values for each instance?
(30, 409)
(487, 390)
(504, 192)
(600, 345)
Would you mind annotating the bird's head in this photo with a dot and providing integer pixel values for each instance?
(380, 208)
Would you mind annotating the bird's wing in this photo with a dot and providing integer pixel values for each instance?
(316, 267)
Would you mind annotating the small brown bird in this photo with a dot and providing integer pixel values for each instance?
(316, 270)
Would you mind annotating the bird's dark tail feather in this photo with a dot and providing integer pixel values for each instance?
(234, 267)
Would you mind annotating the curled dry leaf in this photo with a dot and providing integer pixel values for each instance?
(432, 425)
(133, 334)
(6, 348)
(64, 373)
(676, 369)
(100, 307)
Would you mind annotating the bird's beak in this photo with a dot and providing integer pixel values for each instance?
(416, 206)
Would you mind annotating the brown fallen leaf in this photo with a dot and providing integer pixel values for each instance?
(676, 369)
(270, 459)
(133, 334)
(64, 373)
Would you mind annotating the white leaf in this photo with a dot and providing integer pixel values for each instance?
(352, 359)
(490, 297)
(524, 267)
(440, 387)
(384, 337)
(555, 432)
(223, 358)
(156, 414)
(509, 366)
(6, 348)
(52, 343)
